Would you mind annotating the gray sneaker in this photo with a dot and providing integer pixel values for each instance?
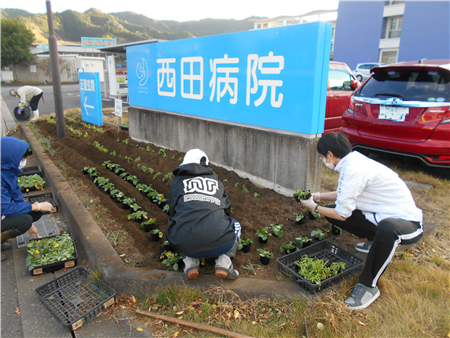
(364, 247)
(361, 297)
(224, 268)
(191, 268)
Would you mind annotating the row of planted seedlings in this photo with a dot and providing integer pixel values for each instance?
(167, 256)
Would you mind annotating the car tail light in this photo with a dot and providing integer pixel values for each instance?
(351, 106)
(446, 118)
(433, 114)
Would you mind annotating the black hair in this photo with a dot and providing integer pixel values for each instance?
(203, 160)
(337, 143)
(29, 152)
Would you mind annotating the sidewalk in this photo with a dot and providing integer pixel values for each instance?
(22, 312)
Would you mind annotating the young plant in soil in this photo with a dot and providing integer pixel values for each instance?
(166, 209)
(119, 196)
(148, 225)
(171, 261)
(311, 214)
(133, 179)
(263, 234)
(167, 177)
(113, 193)
(316, 270)
(108, 187)
(277, 230)
(106, 164)
(167, 246)
(135, 206)
(156, 235)
(138, 216)
(318, 234)
(299, 218)
(127, 202)
(49, 250)
(142, 188)
(303, 241)
(124, 175)
(264, 256)
(244, 244)
(335, 230)
(288, 247)
(301, 195)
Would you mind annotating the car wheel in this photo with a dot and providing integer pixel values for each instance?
(359, 77)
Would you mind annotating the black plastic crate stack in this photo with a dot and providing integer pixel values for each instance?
(76, 297)
(323, 250)
(28, 171)
(44, 197)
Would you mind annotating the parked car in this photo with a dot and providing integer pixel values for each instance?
(403, 109)
(341, 84)
(362, 70)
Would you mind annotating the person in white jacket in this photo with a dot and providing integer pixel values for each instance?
(28, 96)
(371, 202)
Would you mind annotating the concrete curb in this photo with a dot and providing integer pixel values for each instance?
(127, 280)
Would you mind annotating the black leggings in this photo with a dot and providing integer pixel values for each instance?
(386, 236)
(35, 101)
(20, 224)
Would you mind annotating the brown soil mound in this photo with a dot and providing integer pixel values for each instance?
(132, 244)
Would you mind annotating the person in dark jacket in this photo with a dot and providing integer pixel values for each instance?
(17, 215)
(200, 225)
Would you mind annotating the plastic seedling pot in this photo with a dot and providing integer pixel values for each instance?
(264, 260)
(246, 248)
(155, 237)
(263, 241)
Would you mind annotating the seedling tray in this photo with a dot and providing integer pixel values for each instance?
(28, 171)
(76, 297)
(45, 197)
(51, 267)
(323, 250)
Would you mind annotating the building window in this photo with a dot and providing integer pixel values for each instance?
(388, 56)
(395, 25)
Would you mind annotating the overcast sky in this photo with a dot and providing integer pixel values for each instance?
(183, 10)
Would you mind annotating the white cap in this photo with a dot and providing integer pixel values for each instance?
(194, 156)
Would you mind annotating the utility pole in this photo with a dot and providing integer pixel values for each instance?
(56, 78)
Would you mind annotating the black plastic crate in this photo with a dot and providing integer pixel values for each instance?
(51, 267)
(323, 250)
(28, 171)
(45, 197)
(76, 297)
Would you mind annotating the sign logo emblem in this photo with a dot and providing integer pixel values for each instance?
(142, 72)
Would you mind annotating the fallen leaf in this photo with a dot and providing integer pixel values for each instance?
(178, 294)
(236, 314)
(227, 324)
(176, 334)
(121, 255)
(200, 312)
(360, 322)
(254, 323)
(180, 313)
(139, 329)
(123, 307)
(320, 326)
(133, 299)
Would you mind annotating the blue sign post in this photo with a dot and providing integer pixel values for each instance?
(275, 78)
(90, 98)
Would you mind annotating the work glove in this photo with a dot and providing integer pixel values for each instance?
(316, 196)
(19, 111)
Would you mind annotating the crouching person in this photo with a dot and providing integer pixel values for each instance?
(200, 225)
(17, 215)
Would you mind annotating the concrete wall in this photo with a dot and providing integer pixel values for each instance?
(274, 159)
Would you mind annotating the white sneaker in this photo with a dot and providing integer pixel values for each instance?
(35, 114)
(224, 268)
(191, 266)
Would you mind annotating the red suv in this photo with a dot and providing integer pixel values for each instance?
(403, 109)
(341, 84)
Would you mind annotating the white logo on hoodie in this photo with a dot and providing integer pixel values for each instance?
(202, 185)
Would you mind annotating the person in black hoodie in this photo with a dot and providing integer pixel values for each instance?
(200, 225)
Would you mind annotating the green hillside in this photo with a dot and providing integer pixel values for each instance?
(70, 26)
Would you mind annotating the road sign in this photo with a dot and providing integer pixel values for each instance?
(118, 107)
(90, 98)
(273, 78)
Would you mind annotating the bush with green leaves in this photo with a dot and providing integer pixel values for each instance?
(171, 260)
(263, 233)
(289, 246)
(50, 250)
(264, 253)
(316, 270)
(318, 234)
(277, 230)
(138, 215)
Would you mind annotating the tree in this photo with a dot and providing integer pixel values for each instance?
(16, 43)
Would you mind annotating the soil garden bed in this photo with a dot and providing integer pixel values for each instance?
(76, 151)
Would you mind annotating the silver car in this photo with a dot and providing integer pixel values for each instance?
(362, 70)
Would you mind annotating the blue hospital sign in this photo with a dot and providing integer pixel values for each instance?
(90, 98)
(275, 78)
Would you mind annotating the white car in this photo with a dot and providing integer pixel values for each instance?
(362, 70)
